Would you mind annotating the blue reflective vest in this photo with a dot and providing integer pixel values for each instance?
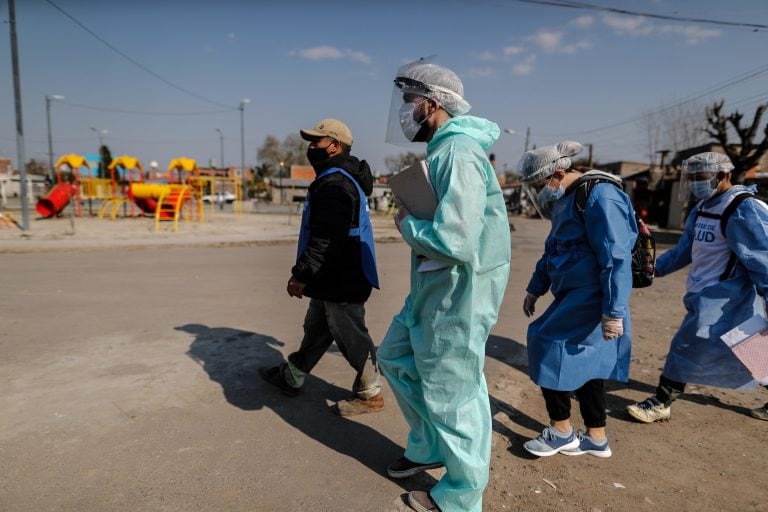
(364, 230)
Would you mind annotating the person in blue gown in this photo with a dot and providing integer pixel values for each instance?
(725, 245)
(584, 336)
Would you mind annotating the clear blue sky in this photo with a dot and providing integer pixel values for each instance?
(565, 73)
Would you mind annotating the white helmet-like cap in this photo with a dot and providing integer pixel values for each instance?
(541, 163)
(708, 162)
(434, 82)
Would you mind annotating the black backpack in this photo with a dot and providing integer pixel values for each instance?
(644, 250)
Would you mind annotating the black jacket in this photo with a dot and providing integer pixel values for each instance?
(331, 264)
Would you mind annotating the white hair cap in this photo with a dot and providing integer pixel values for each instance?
(542, 162)
(436, 83)
(708, 162)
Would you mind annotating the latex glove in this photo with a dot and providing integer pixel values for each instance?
(612, 327)
(529, 304)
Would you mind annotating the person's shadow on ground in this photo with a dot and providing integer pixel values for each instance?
(232, 358)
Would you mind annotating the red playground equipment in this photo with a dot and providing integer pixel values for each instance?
(52, 203)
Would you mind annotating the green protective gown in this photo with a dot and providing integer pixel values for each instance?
(434, 351)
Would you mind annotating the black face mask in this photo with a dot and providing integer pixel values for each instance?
(317, 156)
(421, 135)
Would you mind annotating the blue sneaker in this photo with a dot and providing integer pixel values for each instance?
(590, 446)
(551, 442)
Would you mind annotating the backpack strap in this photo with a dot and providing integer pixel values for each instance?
(583, 186)
(735, 202)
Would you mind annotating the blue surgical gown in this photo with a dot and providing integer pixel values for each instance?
(697, 355)
(434, 351)
(587, 264)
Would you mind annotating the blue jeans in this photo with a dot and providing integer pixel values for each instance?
(344, 323)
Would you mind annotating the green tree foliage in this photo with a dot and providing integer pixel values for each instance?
(292, 150)
(105, 159)
(399, 162)
(745, 153)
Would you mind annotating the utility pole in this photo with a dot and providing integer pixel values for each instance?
(48, 99)
(590, 155)
(243, 103)
(663, 158)
(527, 137)
(221, 148)
(21, 157)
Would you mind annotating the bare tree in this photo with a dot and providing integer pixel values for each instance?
(673, 128)
(399, 162)
(37, 167)
(651, 124)
(292, 150)
(683, 127)
(744, 154)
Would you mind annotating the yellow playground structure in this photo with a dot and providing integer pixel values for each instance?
(165, 201)
(180, 196)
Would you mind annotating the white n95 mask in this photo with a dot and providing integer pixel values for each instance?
(408, 124)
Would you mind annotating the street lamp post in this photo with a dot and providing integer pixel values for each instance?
(221, 148)
(100, 132)
(280, 178)
(48, 99)
(243, 103)
(527, 135)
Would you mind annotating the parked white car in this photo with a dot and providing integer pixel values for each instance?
(220, 197)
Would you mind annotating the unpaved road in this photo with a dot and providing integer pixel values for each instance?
(129, 383)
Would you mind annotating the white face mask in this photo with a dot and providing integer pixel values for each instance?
(547, 197)
(408, 124)
(702, 189)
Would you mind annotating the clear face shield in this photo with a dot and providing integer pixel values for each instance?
(700, 184)
(406, 112)
(700, 175)
(542, 195)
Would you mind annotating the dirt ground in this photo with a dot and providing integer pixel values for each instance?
(128, 364)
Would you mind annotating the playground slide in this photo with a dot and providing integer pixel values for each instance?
(145, 195)
(55, 200)
(146, 205)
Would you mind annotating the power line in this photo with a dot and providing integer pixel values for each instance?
(144, 113)
(749, 75)
(583, 5)
(134, 61)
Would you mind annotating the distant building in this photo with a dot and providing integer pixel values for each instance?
(6, 168)
(294, 189)
(627, 169)
(302, 172)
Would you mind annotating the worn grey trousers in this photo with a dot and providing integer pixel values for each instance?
(344, 323)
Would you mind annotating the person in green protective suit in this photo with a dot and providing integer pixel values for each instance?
(434, 350)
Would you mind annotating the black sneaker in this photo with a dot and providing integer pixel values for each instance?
(761, 413)
(403, 468)
(274, 376)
